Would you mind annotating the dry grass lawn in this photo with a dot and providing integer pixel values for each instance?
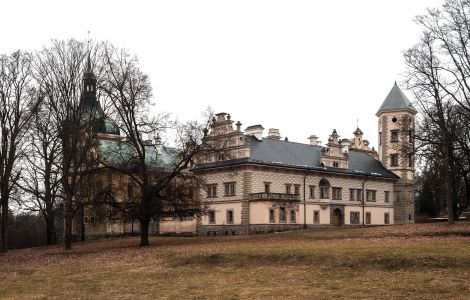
(425, 261)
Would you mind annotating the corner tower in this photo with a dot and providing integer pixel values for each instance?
(396, 130)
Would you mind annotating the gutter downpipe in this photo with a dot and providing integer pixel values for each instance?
(305, 203)
(363, 201)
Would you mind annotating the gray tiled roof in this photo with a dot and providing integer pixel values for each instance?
(395, 100)
(303, 156)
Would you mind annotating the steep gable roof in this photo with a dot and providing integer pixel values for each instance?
(395, 99)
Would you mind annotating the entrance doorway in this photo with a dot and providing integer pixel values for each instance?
(337, 217)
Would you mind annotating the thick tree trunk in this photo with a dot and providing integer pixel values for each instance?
(68, 223)
(144, 232)
(4, 246)
(51, 231)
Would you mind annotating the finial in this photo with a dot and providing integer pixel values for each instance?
(357, 123)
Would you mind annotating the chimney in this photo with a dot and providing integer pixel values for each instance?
(256, 131)
(313, 139)
(274, 134)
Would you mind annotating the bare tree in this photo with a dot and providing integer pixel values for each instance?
(41, 177)
(18, 105)
(163, 187)
(438, 72)
(63, 72)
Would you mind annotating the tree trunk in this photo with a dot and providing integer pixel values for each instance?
(144, 232)
(51, 231)
(4, 247)
(68, 223)
(449, 188)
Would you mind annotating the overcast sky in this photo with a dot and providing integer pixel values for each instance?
(304, 67)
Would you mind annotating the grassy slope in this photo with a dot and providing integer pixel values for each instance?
(413, 261)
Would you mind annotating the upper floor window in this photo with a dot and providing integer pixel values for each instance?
(370, 195)
(267, 187)
(288, 188)
(324, 189)
(387, 196)
(229, 188)
(336, 193)
(394, 136)
(212, 191)
(410, 160)
(394, 160)
(312, 191)
(397, 196)
(380, 138)
(297, 189)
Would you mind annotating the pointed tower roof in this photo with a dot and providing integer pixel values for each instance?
(395, 100)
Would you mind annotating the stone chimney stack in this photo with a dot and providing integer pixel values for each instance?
(313, 140)
(274, 134)
(256, 131)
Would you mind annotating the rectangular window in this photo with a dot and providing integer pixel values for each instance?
(335, 164)
(410, 160)
(211, 216)
(229, 216)
(410, 136)
(336, 193)
(352, 195)
(368, 217)
(380, 138)
(354, 215)
(370, 195)
(397, 196)
(271, 216)
(212, 191)
(393, 135)
(312, 191)
(288, 188)
(282, 214)
(358, 195)
(297, 189)
(229, 188)
(292, 216)
(267, 187)
(324, 192)
(386, 218)
(387, 196)
(316, 217)
(394, 160)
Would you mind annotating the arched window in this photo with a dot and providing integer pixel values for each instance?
(324, 188)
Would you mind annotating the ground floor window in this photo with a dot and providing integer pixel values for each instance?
(386, 218)
(282, 214)
(292, 216)
(229, 216)
(368, 217)
(211, 216)
(271, 216)
(316, 217)
(354, 216)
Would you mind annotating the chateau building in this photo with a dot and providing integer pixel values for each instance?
(257, 183)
